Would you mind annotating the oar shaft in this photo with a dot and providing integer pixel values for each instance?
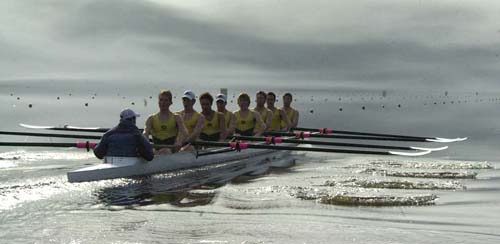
(39, 144)
(49, 135)
(330, 131)
(288, 148)
(350, 137)
(325, 143)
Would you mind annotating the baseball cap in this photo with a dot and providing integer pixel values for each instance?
(128, 113)
(221, 97)
(189, 95)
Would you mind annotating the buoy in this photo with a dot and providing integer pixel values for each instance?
(30, 105)
(86, 104)
(340, 109)
(363, 107)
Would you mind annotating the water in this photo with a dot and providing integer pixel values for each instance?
(447, 196)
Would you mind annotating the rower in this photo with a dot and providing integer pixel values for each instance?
(192, 119)
(246, 119)
(124, 140)
(165, 127)
(214, 127)
(293, 114)
(221, 102)
(278, 114)
(265, 114)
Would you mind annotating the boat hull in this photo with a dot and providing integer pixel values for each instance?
(123, 167)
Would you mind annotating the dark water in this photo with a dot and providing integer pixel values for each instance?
(324, 198)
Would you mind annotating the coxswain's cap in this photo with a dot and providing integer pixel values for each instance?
(128, 114)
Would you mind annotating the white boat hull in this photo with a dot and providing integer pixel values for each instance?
(126, 167)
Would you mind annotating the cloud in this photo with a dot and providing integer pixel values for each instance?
(387, 42)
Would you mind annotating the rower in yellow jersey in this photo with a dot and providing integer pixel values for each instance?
(221, 102)
(165, 127)
(192, 119)
(246, 119)
(278, 114)
(293, 114)
(265, 113)
(214, 128)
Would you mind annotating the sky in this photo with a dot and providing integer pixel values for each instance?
(450, 44)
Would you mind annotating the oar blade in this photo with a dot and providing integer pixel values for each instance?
(430, 149)
(409, 154)
(446, 140)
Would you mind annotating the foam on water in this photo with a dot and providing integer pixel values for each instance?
(398, 184)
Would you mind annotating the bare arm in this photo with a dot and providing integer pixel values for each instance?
(148, 127)
(295, 119)
(232, 124)
(197, 129)
(287, 120)
(222, 126)
(182, 130)
(269, 121)
(261, 126)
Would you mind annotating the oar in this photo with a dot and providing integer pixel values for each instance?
(277, 140)
(87, 145)
(65, 128)
(49, 135)
(303, 135)
(237, 146)
(325, 131)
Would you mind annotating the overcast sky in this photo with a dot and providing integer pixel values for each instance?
(406, 43)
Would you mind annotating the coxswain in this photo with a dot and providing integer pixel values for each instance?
(214, 127)
(124, 140)
(165, 127)
(246, 119)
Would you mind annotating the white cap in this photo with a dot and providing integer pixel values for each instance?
(128, 113)
(189, 95)
(221, 97)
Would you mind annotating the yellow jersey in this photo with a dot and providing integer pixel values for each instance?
(276, 119)
(191, 122)
(290, 114)
(211, 126)
(244, 124)
(263, 114)
(163, 130)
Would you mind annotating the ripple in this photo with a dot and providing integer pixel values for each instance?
(344, 198)
(430, 164)
(421, 174)
(400, 184)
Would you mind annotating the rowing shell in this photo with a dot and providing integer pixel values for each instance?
(127, 167)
